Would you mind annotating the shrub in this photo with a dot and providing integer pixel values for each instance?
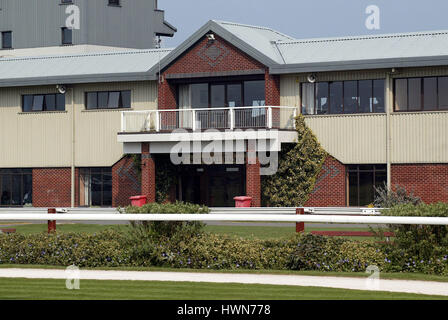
(422, 248)
(140, 230)
(211, 251)
(386, 198)
(83, 250)
(321, 253)
(298, 168)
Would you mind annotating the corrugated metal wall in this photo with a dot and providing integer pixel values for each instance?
(37, 23)
(352, 139)
(420, 137)
(44, 139)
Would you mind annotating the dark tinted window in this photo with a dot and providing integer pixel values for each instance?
(430, 96)
(322, 98)
(16, 187)
(378, 96)
(67, 36)
(365, 96)
(415, 94)
(108, 100)
(47, 102)
(336, 102)
(103, 99)
(27, 103)
(254, 93)
(50, 102)
(218, 97)
(348, 97)
(199, 95)
(443, 93)
(7, 40)
(362, 180)
(234, 98)
(92, 100)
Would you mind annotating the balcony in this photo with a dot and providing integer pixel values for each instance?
(164, 121)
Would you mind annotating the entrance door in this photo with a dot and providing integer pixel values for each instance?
(214, 185)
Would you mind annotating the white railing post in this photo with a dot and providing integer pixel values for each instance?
(270, 117)
(148, 122)
(232, 119)
(157, 122)
(193, 114)
(123, 122)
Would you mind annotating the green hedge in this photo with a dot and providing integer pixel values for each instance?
(80, 249)
(141, 230)
(213, 251)
(418, 248)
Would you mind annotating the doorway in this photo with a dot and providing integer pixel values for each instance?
(212, 185)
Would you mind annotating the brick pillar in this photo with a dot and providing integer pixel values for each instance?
(253, 182)
(148, 174)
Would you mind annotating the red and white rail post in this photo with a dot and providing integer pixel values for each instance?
(51, 223)
(300, 226)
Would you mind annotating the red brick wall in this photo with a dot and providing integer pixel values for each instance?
(253, 183)
(148, 174)
(427, 181)
(196, 61)
(125, 182)
(272, 89)
(51, 187)
(330, 189)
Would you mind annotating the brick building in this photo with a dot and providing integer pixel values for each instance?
(219, 107)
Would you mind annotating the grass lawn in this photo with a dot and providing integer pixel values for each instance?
(249, 232)
(48, 289)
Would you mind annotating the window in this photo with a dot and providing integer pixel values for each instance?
(421, 94)
(95, 187)
(67, 36)
(114, 3)
(108, 100)
(43, 102)
(254, 93)
(7, 40)
(16, 187)
(362, 181)
(222, 95)
(343, 97)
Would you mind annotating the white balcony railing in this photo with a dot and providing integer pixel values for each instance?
(270, 117)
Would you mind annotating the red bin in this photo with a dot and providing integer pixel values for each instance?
(138, 201)
(242, 202)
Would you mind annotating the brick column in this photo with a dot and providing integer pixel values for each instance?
(148, 174)
(253, 182)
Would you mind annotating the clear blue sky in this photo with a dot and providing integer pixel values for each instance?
(306, 18)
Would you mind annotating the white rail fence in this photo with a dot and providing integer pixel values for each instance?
(226, 217)
(277, 117)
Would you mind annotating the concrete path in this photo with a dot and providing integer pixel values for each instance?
(406, 286)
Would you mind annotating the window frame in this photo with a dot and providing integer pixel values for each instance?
(97, 94)
(44, 109)
(422, 94)
(111, 4)
(226, 96)
(22, 173)
(329, 112)
(376, 168)
(3, 40)
(63, 41)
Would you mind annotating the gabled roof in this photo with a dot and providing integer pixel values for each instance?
(127, 65)
(364, 52)
(257, 42)
(284, 54)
